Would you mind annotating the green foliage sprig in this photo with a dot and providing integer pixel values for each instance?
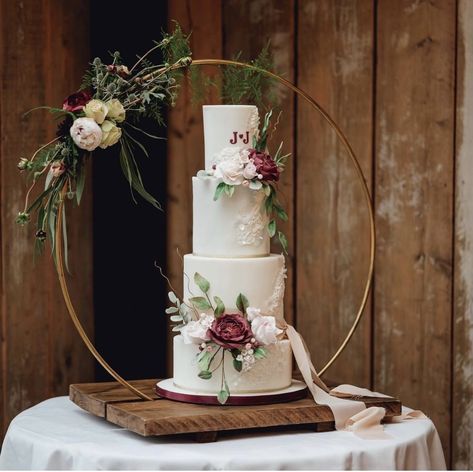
(239, 85)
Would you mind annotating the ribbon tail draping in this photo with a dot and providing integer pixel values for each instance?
(348, 413)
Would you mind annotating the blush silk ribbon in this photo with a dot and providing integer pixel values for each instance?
(349, 412)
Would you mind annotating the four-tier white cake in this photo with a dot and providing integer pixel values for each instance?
(231, 250)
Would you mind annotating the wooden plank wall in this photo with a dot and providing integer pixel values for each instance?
(44, 50)
(397, 76)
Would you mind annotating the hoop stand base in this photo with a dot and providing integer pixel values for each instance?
(296, 391)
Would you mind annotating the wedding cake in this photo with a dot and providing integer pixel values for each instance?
(230, 319)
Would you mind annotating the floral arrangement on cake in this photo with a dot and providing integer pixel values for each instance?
(256, 169)
(243, 335)
(105, 112)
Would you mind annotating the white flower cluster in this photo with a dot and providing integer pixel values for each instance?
(233, 166)
(86, 132)
(247, 357)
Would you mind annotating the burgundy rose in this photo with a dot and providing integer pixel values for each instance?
(265, 165)
(76, 101)
(230, 331)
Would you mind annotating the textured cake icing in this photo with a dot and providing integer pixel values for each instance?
(271, 373)
(231, 257)
(240, 222)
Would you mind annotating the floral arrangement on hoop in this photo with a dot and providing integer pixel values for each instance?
(243, 335)
(105, 112)
(256, 169)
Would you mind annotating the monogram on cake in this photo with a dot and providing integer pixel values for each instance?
(231, 319)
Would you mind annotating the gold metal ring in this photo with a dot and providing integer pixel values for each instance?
(366, 193)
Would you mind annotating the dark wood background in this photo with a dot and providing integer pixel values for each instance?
(397, 76)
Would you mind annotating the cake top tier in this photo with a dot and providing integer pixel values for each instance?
(228, 126)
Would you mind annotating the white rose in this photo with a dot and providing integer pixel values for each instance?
(195, 332)
(110, 134)
(86, 133)
(252, 313)
(235, 154)
(265, 330)
(231, 172)
(249, 172)
(97, 110)
(115, 110)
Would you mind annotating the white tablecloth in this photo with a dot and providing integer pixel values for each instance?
(57, 434)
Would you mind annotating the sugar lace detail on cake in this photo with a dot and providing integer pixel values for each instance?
(253, 123)
(252, 225)
(257, 376)
(276, 299)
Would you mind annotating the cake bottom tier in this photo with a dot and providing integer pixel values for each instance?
(274, 372)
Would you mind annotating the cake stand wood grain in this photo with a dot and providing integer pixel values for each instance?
(115, 403)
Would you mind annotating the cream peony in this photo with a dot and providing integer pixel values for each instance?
(115, 110)
(195, 332)
(86, 133)
(110, 134)
(265, 330)
(97, 110)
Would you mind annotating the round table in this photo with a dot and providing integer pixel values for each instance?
(57, 434)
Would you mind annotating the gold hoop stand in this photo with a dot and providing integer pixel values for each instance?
(366, 193)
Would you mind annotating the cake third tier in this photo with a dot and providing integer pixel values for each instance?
(260, 279)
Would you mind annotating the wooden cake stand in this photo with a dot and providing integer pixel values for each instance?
(162, 417)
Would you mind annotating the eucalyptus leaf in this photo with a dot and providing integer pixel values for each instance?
(268, 204)
(222, 397)
(80, 183)
(201, 282)
(255, 185)
(172, 297)
(283, 241)
(220, 308)
(242, 303)
(171, 309)
(203, 361)
(219, 190)
(280, 212)
(176, 318)
(178, 328)
(271, 228)
(229, 190)
(260, 353)
(200, 303)
(205, 374)
(48, 180)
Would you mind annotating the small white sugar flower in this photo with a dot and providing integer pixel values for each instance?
(252, 313)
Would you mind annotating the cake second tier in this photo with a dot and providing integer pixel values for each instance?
(260, 279)
(230, 226)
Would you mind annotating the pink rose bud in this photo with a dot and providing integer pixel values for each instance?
(57, 168)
